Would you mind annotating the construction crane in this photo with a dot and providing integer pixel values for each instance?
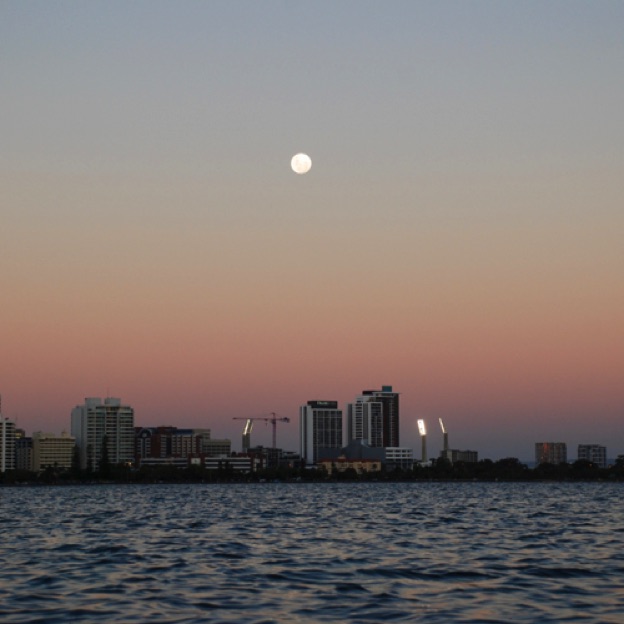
(272, 418)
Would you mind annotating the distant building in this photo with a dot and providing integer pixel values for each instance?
(217, 447)
(239, 463)
(454, 456)
(593, 453)
(374, 418)
(357, 455)
(185, 442)
(364, 458)
(365, 421)
(23, 453)
(176, 443)
(342, 464)
(98, 420)
(7, 444)
(551, 453)
(320, 426)
(50, 450)
(398, 457)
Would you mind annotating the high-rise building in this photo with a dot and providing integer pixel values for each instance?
(374, 418)
(593, 453)
(97, 421)
(365, 421)
(551, 453)
(52, 451)
(7, 444)
(320, 426)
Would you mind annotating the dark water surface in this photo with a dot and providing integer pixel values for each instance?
(435, 552)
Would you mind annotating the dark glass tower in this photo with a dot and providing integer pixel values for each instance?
(390, 418)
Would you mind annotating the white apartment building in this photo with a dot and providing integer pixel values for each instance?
(593, 453)
(97, 420)
(398, 456)
(365, 421)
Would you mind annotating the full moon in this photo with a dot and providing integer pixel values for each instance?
(301, 163)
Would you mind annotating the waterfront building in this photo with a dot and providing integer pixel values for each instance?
(98, 422)
(217, 447)
(172, 442)
(398, 457)
(454, 456)
(374, 418)
(593, 453)
(371, 458)
(23, 451)
(186, 442)
(357, 455)
(238, 463)
(320, 426)
(52, 451)
(551, 453)
(342, 464)
(7, 444)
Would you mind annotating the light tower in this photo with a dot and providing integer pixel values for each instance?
(423, 437)
(247, 435)
(444, 436)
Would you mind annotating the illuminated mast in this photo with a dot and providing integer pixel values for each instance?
(423, 436)
(445, 436)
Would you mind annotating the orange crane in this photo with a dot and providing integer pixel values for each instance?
(272, 418)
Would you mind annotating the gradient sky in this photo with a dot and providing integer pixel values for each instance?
(459, 237)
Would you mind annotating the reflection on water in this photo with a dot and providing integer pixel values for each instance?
(353, 552)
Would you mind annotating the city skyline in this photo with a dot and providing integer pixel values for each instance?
(458, 236)
(433, 432)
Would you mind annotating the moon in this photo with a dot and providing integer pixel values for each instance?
(301, 163)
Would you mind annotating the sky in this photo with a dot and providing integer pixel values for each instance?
(459, 236)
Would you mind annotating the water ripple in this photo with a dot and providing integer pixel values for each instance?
(297, 553)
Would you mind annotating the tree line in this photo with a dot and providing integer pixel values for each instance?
(509, 469)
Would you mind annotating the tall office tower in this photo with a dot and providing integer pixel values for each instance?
(551, 453)
(593, 453)
(320, 426)
(356, 425)
(96, 420)
(7, 444)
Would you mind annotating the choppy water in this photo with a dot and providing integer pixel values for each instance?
(470, 552)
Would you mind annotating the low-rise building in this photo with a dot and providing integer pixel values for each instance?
(216, 447)
(399, 457)
(52, 451)
(551, 453)
(454, 456)
(341, 464)
(593, 453)
(238, 463)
